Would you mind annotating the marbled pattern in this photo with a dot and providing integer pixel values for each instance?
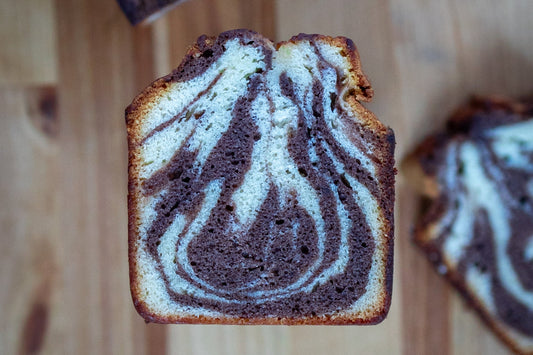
(481, 225)
(264, 204)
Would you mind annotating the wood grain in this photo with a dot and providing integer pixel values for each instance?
(28, 42)
(68, 68)
(97, 61)
(29, 259)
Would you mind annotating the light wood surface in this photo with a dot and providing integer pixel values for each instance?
(68, 68)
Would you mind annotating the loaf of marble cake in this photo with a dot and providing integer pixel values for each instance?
(260, 190)
(478, 229)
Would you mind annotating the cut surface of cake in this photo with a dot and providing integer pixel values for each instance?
(260, 190)
(478, 230)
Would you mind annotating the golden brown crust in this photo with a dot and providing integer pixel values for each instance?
(422, 176)
(362, 91)
(150, 317)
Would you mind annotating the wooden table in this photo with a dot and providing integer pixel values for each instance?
(68, 68)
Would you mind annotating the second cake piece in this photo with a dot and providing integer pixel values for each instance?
(261, 190)
(479, 228)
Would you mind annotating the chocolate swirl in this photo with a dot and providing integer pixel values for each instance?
(264, 194)
(481, 226)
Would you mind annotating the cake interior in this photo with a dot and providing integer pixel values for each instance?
(260, 187)
(486, 232)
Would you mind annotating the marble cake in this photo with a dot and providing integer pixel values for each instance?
(260, 190)
(478, 229)
(145, 11)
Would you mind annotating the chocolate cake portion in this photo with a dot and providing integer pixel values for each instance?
(260, 190)
(479, 228)
(145, 11)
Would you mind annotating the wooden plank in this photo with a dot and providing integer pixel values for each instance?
(228, 340)
(29, 255)
(103, 63)
(470, 336)
(343, 339)
(27, 42)
(425, 298)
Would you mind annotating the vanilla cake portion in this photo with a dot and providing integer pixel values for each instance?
(479, 228)
(260, 190)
